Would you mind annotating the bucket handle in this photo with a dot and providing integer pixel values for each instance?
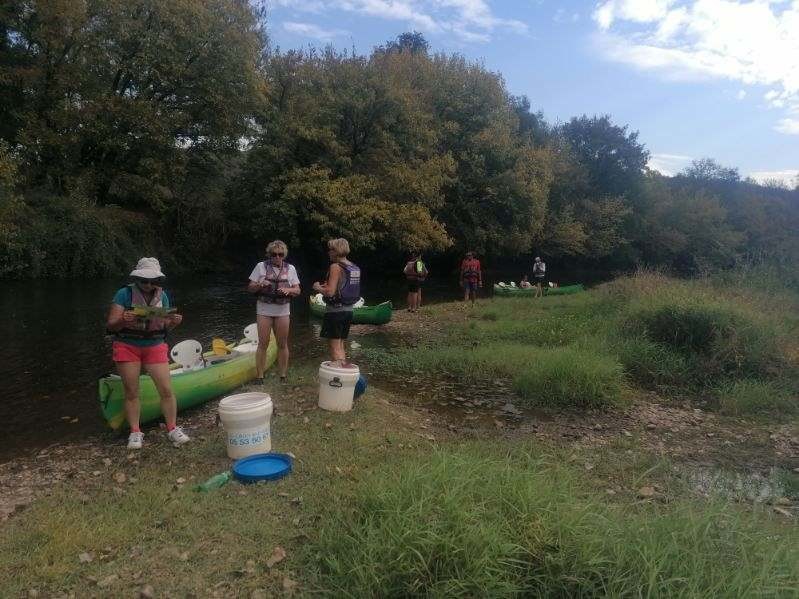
(336, 382)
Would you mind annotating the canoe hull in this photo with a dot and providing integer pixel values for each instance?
(191, 388)
(519, 292)
(378, 314)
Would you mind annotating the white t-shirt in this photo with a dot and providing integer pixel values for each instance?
(259, 274)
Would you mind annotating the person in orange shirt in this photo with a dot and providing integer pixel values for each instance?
(471, 277)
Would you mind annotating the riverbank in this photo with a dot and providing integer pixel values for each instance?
(658, 491)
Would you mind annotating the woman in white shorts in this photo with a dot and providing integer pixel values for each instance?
(274, 282)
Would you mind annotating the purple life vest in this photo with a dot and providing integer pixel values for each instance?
(349, 291)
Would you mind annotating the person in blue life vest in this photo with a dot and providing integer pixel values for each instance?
(415, 272)
(539, 276)
(274, 282)
(341, 290)
(139, 340)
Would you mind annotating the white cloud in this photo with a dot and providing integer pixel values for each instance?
(741, 94)
(788, 177)
(469, 20)
(313, 31)
(668, 164)
(788, 126)
(751, 42)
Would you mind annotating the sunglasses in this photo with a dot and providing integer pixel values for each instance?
(148, 281)
(277, 254)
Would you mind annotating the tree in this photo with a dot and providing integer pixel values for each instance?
(614, 159)
(707, 169)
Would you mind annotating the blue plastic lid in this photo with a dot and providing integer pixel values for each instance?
(262, 466)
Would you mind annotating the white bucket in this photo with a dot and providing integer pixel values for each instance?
(337, 387)
(245, 417)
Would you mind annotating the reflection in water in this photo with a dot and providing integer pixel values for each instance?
(54, 346)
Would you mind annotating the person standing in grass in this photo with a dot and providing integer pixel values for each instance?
(539, 276)
(340, 291)
(139, 340)
(274, 282)
(415, 272)
(471, 277)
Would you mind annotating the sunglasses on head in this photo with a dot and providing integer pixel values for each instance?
(277, 254)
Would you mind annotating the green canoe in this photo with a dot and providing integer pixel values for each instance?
(519, 292)
(192, 388)
(379, 314)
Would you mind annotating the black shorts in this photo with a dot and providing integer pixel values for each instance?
(540, 281)
(336, 325)
(414, 286)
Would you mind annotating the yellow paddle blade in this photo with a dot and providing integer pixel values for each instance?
(219, 347)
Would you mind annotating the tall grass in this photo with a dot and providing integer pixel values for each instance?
(570, 377)
(468, 525)
(567, 377)
(754, 397)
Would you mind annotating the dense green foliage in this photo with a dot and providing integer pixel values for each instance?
(173, 127)
(475, 524)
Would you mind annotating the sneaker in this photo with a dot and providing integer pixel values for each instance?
(178, 437)
(135, 440)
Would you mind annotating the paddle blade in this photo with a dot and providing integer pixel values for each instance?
(219, 347)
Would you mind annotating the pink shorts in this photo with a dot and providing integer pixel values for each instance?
(153, 354)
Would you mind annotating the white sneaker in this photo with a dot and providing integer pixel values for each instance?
(178, 437)
(135, 440)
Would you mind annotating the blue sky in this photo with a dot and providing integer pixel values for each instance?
(697, 78)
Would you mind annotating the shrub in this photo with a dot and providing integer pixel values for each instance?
(724, 338)
(754, 397)
(652, 364)
(570, 378)
(466, 525)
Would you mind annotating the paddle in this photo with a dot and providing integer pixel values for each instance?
(219, 347)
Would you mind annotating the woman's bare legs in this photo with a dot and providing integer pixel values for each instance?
(265, 324)
(337, 353)
(281, 326)
(169, 407)
(129, 372)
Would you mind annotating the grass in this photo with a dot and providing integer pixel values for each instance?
(155, 532)
(679, 338)
(567, 378)
(375, 508)
(531, 528)
(564, 377)
(750, 397)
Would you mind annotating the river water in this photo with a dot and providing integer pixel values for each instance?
(54, 346)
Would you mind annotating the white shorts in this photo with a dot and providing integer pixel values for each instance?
(265, 309)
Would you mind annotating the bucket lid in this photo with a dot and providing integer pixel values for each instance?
(352, 370)
(262, 466)
(245, 401)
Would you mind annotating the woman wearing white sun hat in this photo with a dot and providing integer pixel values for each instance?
(139, 340)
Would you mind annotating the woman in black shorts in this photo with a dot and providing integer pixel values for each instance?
(415, 272)
(340, 291)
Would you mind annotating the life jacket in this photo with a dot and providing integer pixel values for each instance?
(144, 328)
(470, 269)
(279, 280)
(539, 269)
(415, 270)
(349, 291)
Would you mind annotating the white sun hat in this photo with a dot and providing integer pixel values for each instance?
(148, 268)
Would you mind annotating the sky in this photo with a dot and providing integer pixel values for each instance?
(697, 78)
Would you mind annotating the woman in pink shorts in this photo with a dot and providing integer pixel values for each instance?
(140, 341)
